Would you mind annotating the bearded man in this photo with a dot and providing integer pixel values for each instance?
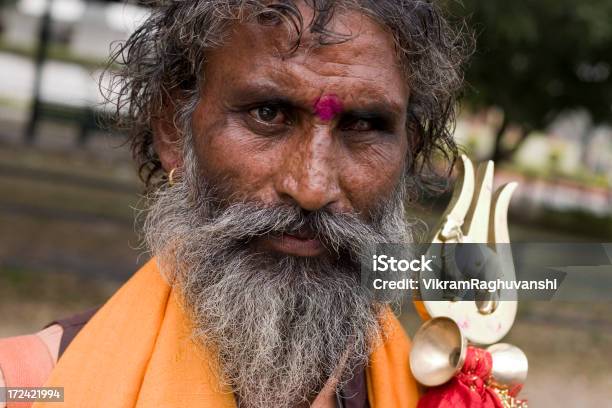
(278, 141)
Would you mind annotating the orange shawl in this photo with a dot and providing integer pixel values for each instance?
(137, 352)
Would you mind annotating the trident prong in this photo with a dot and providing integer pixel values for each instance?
(477, 215)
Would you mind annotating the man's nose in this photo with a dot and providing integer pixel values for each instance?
(309, 174)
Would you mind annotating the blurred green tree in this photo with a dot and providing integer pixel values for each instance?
(537, 58)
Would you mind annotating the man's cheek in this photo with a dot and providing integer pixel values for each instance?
(382, 162)
(373, 179)
(235, 161)
(215, 142)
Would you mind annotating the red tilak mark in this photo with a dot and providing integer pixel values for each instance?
(327, 107)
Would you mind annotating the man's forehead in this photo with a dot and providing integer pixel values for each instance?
(366, 62)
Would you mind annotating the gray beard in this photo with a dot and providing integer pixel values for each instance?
(281, 326)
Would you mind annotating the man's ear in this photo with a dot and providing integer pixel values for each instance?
(167, 141)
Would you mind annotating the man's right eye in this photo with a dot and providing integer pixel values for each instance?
(268, 114)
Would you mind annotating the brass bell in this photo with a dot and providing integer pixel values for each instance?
(510, 365)
(438, 351)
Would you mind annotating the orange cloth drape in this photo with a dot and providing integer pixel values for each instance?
(137, 352)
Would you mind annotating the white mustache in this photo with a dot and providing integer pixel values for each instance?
(244, 221)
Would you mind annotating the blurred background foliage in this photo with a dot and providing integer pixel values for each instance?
(537, 59)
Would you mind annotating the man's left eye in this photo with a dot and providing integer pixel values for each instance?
(359, 125)
(271, 115)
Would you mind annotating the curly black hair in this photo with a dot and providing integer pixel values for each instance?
(166, 56)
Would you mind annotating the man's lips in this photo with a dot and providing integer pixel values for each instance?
(300, 243)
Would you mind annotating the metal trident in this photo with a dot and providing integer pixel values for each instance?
(476, 215)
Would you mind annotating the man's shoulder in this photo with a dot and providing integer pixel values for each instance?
(28, 360)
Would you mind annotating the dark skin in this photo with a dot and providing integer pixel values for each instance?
(260, 133)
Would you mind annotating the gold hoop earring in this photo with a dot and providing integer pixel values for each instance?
(171, 180)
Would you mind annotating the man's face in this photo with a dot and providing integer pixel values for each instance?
(309, 149)
(320, 128)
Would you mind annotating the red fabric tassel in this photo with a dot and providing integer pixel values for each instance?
(468, 389)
